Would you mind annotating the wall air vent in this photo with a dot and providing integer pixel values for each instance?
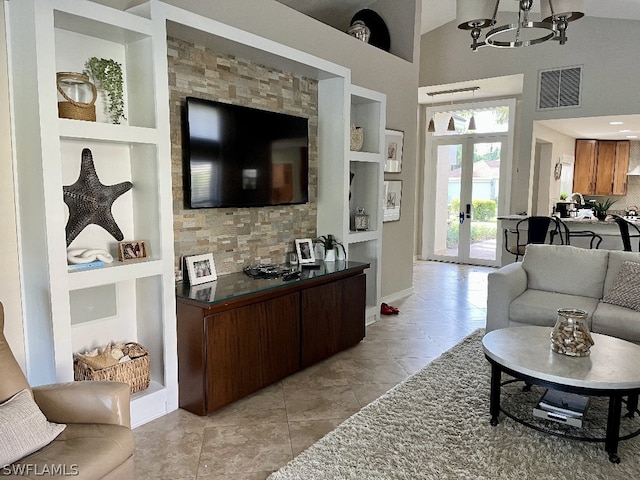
(559, 88)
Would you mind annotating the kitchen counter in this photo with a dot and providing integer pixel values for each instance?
(607, 229)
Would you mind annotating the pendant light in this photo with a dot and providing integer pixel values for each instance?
(472, 120)
(432, 124)
(452, 124)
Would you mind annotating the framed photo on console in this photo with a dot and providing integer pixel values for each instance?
(304, 247)
(201, 268)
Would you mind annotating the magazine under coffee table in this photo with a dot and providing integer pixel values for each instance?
(610, 371)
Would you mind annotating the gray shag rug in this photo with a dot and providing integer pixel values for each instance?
(435, 425)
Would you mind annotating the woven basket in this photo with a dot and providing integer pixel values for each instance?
(135, 372)
(77, 112)
(357, 138)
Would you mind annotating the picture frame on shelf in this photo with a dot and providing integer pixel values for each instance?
(394, 144)
(392, 198)
(201, 268)
(304, 248)
(132, 250)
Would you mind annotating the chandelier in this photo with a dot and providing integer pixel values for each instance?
(476, 15)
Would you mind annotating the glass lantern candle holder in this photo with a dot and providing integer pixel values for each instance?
(78, 96)
(570, 335)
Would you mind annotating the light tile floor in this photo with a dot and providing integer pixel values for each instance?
(257, 435)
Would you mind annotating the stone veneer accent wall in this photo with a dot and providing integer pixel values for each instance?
(238, 236)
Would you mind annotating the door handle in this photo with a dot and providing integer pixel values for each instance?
(468, 210)
(461, 218)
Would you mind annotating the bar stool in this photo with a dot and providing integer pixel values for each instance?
(566, 235)
(624, 227)
(537, 229)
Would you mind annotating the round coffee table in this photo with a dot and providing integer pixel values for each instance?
(611, 370)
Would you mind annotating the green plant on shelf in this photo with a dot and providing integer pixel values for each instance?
(329, 242)
(107, 75)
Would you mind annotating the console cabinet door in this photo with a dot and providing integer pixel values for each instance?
(250, 347)
(333, 317)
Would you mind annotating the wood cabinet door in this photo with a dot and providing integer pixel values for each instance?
(250, 347)
(584, 170)
(621, 168)
(606, 167)
(333, 317)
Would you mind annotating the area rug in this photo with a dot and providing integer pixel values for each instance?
(435, 425)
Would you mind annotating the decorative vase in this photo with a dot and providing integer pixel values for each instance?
(357, 138)
(330, 255)
(570, 335)
(601, 215)
(359, 30)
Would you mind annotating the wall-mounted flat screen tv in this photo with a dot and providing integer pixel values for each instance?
(238, 156)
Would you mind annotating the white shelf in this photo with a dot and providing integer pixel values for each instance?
(106, 132)
(362, 236)
(113, 273)
(364, 157)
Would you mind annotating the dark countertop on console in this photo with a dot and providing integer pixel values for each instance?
(235, 285)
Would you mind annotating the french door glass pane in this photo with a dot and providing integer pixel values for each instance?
(447, 209)
(484, 196)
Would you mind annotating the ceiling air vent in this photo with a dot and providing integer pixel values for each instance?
(559, 88)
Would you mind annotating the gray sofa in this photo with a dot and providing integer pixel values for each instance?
(561, 276)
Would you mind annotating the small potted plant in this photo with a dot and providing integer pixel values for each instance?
(330, 245)
(601, 208)
(107, 75)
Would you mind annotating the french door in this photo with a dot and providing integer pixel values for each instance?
(466, 187)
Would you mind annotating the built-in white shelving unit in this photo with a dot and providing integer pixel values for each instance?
(68, 312)
(135, 301)
(366, 171)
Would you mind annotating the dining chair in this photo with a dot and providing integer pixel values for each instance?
(626, 228)
(533, 229)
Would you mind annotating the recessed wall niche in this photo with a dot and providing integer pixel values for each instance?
(238, 236)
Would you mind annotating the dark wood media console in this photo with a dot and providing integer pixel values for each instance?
(239, 334)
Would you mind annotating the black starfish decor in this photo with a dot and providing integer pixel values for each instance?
(90, 201)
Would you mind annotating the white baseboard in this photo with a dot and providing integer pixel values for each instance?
(398, 295)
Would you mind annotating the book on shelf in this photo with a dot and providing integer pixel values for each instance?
(76, 267)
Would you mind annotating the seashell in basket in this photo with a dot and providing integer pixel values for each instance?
(357, 138)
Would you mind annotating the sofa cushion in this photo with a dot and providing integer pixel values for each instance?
(626, 289)
(616, 259)
(566, 269)
(538, 307)
(24, 428)
(617, 321)
(86, 451)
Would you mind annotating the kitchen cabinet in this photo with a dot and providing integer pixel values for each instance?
(601, 167)
(238, 334)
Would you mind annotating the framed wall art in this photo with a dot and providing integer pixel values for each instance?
(132, 250)
(392, 197)
(201, 268)
(394, 142)
(304, 247)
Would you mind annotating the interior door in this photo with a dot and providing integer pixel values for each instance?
(466, 186)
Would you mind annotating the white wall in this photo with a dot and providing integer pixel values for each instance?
(559, 145)
(606, 48)
(9, 272)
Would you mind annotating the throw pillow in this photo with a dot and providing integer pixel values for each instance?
(625, 291)
(24, 428)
